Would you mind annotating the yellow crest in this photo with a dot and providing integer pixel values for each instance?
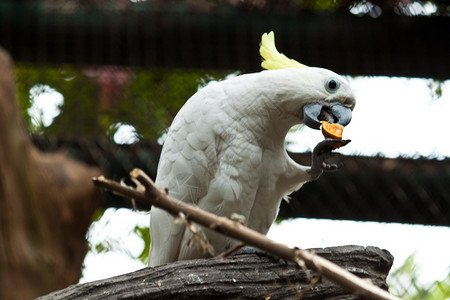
(272, 59)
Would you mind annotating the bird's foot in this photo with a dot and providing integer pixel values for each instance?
(323, 159)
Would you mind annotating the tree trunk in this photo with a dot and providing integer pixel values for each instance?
(46, 205)
(247, 276)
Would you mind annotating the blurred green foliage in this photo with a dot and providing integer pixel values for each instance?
(93, 106)
(435, 87)
(144, 234)
(404, 283)
(319, 5)
(79, 114)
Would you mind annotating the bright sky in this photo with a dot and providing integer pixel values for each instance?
(393, 116)
(46, 105)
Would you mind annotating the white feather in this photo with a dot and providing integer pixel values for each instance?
(225, 153)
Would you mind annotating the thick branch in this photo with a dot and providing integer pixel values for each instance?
(46, 204)
(243, 276)
(155, 196)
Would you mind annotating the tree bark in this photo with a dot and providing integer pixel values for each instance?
(248, 276)
(46, 205)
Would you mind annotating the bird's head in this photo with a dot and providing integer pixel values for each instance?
(325, 95)
(333, 101)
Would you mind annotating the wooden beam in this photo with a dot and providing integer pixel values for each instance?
(228, 38)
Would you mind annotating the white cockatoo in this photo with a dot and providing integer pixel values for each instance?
(225, 150)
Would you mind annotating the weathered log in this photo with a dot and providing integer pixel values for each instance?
(248, 275)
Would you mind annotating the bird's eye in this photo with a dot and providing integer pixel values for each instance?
(332, 85)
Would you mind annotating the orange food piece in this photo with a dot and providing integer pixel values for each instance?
(332, 130)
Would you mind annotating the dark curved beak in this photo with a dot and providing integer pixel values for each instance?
(332, 112)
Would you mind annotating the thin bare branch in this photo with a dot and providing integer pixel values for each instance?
(154, 196)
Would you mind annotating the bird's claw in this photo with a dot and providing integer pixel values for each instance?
(321, 153)
(331, 167)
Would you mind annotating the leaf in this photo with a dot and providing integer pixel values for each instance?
(144, 234)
